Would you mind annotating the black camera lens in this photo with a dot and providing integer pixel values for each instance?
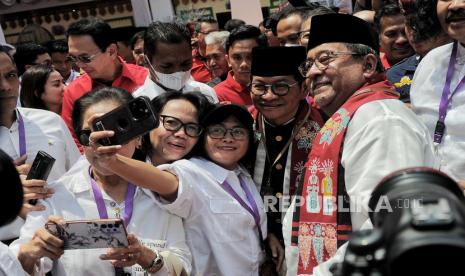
(110, 225)
(103, 226)
(139, 109)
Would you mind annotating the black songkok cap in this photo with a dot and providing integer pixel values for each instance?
(277, 61)
(343, 28)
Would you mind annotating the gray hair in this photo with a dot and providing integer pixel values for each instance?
(217, 37)
(364, 50)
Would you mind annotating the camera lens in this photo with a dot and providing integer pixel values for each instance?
(103, 226)
(139, 109)
(110, 225)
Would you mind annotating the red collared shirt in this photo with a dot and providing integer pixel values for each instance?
(230, 90)
(199, 70)
(132, 77)
(385, 61)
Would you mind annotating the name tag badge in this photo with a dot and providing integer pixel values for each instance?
(160, 245)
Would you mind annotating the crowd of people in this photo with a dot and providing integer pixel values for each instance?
(270, 140)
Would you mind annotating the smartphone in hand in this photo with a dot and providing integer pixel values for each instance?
(133, 119)
(40, 169)
(87, 234)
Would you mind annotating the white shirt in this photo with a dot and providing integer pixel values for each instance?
(9, 264)
(425, 94)
(382, 137)
(74, 200)
(74, 75)
(45, 131)
(151, 89)
(221, 234)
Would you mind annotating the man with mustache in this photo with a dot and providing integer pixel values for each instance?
(390, 24)
(438, 93)
(369, 134)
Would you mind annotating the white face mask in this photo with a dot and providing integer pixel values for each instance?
(291, 45)
(174, 81)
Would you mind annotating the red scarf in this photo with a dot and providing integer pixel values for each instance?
(319, 232)
(309, 125)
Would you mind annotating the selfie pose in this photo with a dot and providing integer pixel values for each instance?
(213, 192)
(89, 192)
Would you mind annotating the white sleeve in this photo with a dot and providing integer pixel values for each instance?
(11, 230)
(34, 221)
(72, 151)
(176, 243)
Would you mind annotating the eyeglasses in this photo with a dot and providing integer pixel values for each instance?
(292, 38)
(322, 61)
(174, 124)
(83, 59)
(83, 136)
(278, 88)
(219, 132)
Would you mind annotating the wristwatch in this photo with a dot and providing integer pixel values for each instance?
(156, 264)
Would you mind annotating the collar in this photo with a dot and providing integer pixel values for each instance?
(409, 64)
(125, 71)
(236, 86)
(460, 54)
(217, 172)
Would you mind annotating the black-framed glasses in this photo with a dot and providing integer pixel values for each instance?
(83, 136)
(174, 124)
(278, 88)
(322, 61)
(219, 132)
(83, 59)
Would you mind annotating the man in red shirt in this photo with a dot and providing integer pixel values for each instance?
(95, 52)
(239, 54)
(204, 26)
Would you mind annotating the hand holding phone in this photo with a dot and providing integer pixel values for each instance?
(135, 118)
(40, 169)
(86, 234)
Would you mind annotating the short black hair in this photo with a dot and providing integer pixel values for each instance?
(422, 18)
(26, 54)
(57, 46)
(6, 50)
(231, 24)
(204, 19)
(136, 37)
(33, 86)
(246, 32)
(165, 32)
(391, 9)
(300, 11)
(99, 30)
(110, 94)
(11, 200)
(199, 100)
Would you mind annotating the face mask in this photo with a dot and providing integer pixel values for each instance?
(291, 45)
(174, 81)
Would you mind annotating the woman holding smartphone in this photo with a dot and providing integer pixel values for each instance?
(89, 191)
(213, 192)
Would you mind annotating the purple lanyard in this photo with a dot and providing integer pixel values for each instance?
(254, 211)
(22, 135)
(445, 99)
(102, 210)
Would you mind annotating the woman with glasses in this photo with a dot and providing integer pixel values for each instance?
(212, 192)
(90, 191)
(42, 87)
(179, 129)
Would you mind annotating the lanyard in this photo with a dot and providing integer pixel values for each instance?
(102, 210)
(254, 211)
(445, 98)
(22, 135)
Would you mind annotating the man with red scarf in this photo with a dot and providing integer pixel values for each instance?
(369, 134)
